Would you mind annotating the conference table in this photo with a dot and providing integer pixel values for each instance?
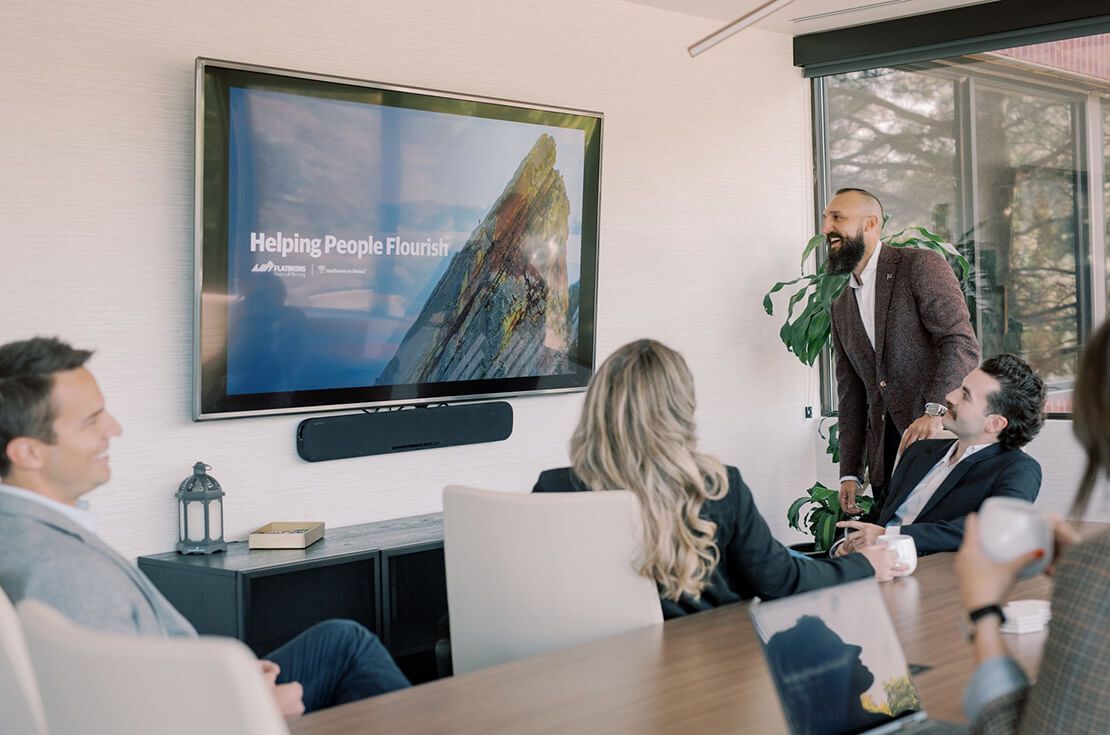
(700, 674)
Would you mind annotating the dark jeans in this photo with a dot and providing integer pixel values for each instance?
(337, 661)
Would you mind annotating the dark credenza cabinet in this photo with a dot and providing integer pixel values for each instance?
(389, 576)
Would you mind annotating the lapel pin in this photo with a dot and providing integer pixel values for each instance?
(889, 276)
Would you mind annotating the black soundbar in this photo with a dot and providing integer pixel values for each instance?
(403, 430)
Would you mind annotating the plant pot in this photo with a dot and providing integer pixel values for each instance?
(809, 549)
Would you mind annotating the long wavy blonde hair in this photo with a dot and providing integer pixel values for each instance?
(637, 433)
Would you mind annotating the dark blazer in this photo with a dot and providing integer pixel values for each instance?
(752, 561)
(924, 346)
(1070, 693)
(992, 471)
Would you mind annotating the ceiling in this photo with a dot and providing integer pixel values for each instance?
(808, 16)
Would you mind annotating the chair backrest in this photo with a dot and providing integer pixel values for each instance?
(93, 682)
(20, 706)
(532, 572)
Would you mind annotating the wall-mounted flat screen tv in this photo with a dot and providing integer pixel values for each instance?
(361, 244)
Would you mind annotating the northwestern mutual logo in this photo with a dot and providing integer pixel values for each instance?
(283, 271)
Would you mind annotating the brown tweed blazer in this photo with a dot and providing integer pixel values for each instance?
(1072, 693)
(924, 346)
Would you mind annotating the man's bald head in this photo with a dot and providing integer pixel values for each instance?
(864, 199)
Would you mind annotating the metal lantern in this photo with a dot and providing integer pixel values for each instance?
(200, 513)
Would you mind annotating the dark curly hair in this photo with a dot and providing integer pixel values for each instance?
(1020, 398)
(26, 379)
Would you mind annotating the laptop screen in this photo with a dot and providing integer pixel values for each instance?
(835, 659)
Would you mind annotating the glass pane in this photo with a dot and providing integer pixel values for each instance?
(990, 151)
(1028, 230)
(893, 133)
(194, 523)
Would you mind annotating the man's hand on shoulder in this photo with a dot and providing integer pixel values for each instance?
(923, 427)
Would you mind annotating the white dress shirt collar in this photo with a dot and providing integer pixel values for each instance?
(867, 277)
(79, 514)
(911, 508)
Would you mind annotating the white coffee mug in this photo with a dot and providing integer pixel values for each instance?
(1010, 527)
(906, 548)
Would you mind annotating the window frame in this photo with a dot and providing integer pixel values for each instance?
(1090, 110)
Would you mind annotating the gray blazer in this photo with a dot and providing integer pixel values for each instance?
(46, 556)
(924, 346)
(1070, 695)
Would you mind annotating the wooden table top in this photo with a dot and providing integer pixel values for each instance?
(703, 673)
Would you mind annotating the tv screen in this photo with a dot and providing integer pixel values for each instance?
(360, 244)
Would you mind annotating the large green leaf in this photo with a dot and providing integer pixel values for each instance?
(811, 246)
(826, 532)
(833, 437)
(798, 331)
(919, 237)
(829, 288)
(792, 512)
(795, 298)
(769, 305)
(816, 336)
(821, 494)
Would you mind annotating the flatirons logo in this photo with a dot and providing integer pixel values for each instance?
(280, 270)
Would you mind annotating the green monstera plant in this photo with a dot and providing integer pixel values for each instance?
(821, 518)
(807, 334)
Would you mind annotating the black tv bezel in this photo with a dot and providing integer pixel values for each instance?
(213, 79)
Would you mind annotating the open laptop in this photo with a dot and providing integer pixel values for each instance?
(838, 666)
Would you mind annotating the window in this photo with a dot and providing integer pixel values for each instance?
(1003, 153)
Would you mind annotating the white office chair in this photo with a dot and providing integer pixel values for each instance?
(94, 682)
(21, 710)
(528, 573)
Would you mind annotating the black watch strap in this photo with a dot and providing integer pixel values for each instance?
(981, 612)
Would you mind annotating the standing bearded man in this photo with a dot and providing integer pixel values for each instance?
(901, 336)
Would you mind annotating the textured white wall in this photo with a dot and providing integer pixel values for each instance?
(705, 202)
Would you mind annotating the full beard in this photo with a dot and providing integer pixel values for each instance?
(846, 256)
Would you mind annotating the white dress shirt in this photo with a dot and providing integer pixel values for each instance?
(79, 514)
(908, 512)
(864, 286)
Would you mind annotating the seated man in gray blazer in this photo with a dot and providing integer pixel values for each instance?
(997, 410)
(54, 437)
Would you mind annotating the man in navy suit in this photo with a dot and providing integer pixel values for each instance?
(997, 409)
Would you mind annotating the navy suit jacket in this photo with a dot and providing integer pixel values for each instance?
(751, 561)
(992, 471)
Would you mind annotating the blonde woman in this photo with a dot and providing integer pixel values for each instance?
(705, 543)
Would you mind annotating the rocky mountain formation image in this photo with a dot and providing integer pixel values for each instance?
(502, 307)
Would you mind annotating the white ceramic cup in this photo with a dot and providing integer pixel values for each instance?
(906, 548)
(1010, 527)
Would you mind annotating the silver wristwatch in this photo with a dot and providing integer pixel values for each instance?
(936, 410)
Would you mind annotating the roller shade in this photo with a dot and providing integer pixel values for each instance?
(956, 32)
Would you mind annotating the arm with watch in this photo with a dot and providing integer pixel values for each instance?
(996, 697)
(926, 426)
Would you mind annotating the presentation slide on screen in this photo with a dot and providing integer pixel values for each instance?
(373, 245)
